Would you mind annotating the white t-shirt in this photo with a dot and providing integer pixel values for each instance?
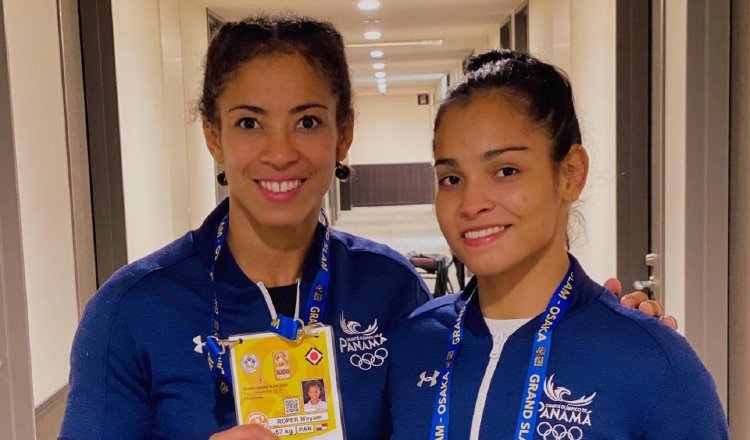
(501, 329)
(316, 407)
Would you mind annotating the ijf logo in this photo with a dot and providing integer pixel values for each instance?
(424, 378)
(250, 363)
(563, 418)
(365, 346)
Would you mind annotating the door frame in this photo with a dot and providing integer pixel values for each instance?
(692, 140)
(16, 392)
(633, 141)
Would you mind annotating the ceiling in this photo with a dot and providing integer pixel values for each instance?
(462, 25)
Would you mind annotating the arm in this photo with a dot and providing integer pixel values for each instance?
(108, 384)
(686, 405)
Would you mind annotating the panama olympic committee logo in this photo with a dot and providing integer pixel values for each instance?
(562, 417)
(364, 345)
(559, 432)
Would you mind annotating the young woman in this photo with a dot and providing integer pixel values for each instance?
(533, 348)
(277, 115)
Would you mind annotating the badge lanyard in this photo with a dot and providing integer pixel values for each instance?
(290, 328)
(535, 375)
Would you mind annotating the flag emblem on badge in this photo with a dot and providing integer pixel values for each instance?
(321, 427)
(314, 356)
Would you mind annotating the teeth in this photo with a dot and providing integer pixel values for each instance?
(473, 235)
(280, 187)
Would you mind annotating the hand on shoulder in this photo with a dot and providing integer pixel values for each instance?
(639, 300)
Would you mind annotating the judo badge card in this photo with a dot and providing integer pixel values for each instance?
(289, 387)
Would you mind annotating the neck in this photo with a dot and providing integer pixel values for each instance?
(524, 290)
(272, 255)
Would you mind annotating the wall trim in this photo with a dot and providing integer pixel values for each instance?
(739, 226)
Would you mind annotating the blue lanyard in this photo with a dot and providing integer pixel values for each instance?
(284, 326)
(535, 375)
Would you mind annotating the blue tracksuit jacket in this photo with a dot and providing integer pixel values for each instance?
(613, 373)
(134, 374)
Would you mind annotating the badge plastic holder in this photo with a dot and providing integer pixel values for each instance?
(290, 387)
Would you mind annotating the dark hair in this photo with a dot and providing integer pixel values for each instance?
(238, 42)
(543, 90)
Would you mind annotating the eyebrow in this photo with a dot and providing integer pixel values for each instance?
(487, 155)
(297, 109)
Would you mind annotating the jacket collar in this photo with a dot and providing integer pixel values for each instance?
(585, 291)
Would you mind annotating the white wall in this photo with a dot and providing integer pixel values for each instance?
(593, 66)
(200, 164)
(168, 177)
(549, 31)
(391, 128)
(44, 188)
(145, 157)
(579, 37)
(175, 114)
(675, 114)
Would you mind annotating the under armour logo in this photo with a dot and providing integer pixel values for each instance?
(432, 380)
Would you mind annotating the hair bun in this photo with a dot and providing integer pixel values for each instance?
(492, 56)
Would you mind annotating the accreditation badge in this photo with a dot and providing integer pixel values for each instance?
(289, 387)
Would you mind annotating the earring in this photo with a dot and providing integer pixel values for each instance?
(342, 171)
(222, 178)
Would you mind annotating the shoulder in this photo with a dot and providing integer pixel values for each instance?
(438, 307)
(138, 274)
(430, 318)
(666, 349)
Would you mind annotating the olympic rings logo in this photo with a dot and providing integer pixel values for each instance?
(368, 360)
(559, 432)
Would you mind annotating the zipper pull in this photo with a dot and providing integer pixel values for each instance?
(495, 353)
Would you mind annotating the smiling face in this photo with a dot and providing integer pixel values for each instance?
(313, 392)
(278, 139)
(501, 201)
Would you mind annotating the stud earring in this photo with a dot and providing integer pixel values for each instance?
(342, 172)
(222, 178)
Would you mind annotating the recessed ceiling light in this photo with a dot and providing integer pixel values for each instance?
(372, 35)
(376, 53)
(368, 5)
(378, 66)
(399, 43)
(371, 21)
(381, 80)
(379, 74)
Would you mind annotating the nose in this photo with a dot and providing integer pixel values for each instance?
(279, 150)
(475, 200)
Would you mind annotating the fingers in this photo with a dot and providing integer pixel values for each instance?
(614, 286)
(651, 308)
(634, 300)
(245, 432)
(670, 321)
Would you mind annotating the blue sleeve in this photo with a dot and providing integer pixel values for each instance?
(687, 405)
(109, 382)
